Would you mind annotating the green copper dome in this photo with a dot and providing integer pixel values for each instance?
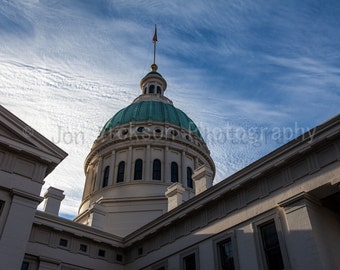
(155, 111)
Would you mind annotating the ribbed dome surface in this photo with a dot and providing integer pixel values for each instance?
(154, 111)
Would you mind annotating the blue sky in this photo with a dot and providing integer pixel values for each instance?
(251, 74)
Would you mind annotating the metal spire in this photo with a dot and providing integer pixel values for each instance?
(154, 41)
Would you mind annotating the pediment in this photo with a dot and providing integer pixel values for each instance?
(6, 132)
(19, 136)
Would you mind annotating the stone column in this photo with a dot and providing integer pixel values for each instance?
(99, 174)
(17, 228)
(183, 176)
(88, 181)
(112, 167)
(147, 163)
(302, 245)
(129, 165)
(196, 163)
(166, 171)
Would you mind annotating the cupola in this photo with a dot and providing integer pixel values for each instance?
(153, 83)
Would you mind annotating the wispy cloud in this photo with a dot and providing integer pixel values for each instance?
(67, 66)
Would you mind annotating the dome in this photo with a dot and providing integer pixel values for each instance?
(151, 110)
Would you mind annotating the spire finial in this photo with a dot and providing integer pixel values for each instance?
(154, 67)
(154, 41)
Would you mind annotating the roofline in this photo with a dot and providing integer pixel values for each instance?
(62, 224)
(326, 131)
(276, 158)
(37, 141)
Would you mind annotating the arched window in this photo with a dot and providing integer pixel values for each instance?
(120, 173)
(106, 176)
(138, 169)
(151, 89)
(156, 171)
(158, 89)
(189, 178)
(174, 172)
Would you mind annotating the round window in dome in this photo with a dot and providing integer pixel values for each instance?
(174, 132)
(157, 133)
(124, 131)
(140, 129)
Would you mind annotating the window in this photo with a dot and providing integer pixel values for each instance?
(157, 133)
(156, 172)
(63, 242)
(151, 89)
(119, 257)
(120, 173)
(174, 132)
(189, 259)
(271, 246)
(2, 204)
(174, 172)
(101, 253)
(160, 266)
(189, 178)
(158, 90)
(106, 176)
(138, 169)
(83, 247)
(189, 262)
(225, 255)
(25, 266)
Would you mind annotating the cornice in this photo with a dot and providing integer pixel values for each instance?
(78, 229)
(275, 159)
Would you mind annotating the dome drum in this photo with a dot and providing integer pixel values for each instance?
(145, 133)
(112, 154)
(117, 189)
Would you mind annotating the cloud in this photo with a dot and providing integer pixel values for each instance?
(67, 66)
(68, 110)
(308, 81)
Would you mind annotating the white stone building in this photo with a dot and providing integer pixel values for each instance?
(148, 200)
